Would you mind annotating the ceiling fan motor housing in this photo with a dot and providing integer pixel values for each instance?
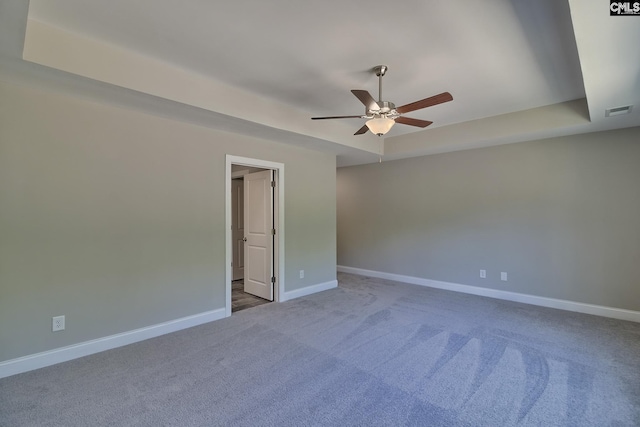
(387, 109)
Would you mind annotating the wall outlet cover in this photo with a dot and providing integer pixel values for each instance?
(57, 323)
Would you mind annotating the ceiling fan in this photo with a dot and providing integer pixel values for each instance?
(382, 115)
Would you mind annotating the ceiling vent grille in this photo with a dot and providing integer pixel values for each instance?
(618, 111)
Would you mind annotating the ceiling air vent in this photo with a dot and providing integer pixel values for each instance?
(617, 111)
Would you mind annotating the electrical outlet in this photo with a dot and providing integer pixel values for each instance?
(483, 274)
(503, 276)
(57, 323)
(302, 274)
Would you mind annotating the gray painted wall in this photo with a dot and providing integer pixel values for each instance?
(115, 218)
(561, 216)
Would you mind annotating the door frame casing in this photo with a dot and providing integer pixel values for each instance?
(278, 250)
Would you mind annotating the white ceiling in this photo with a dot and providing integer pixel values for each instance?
(264, 68)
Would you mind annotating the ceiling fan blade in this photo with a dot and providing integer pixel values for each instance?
(413, 122)
(362, 130)
(336, 117)
(366, 98)
(424, 103)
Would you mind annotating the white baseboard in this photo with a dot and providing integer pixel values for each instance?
(63, 354)
(308, 290)
(598, 310)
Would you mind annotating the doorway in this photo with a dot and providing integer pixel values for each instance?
(254, 237)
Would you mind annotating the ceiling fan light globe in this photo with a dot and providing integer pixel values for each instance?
(380, 125)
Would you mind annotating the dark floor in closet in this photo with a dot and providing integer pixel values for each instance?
(241, 300)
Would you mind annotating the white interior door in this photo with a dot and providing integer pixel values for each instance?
(237, 227)
(258, 226)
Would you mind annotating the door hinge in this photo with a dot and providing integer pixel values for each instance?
(273, 279)
(273, 231)
(273, 184)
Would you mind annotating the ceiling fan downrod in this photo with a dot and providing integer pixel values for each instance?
(385, 109)
(380, 72)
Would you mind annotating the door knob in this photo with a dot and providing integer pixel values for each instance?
(244, 239)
